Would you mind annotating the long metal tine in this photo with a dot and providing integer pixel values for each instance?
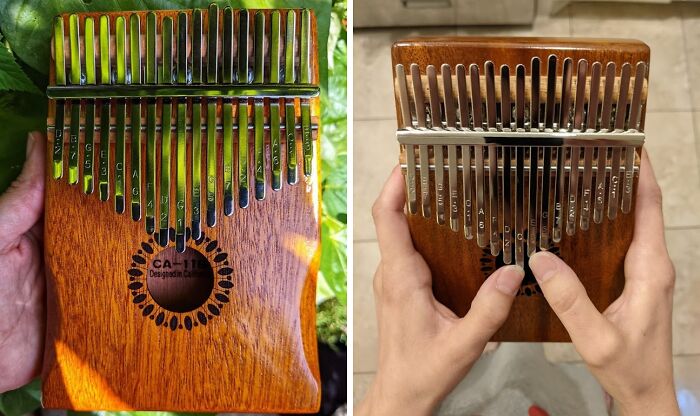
(181, 156)
(451, 119)
(586, 188)
(196, 163)
(620, 116)
(634, 121)
(545, 202)
(463, 101)
(120, 145)
(259, 112)
(494, 231)
(423, 157)
(135, 66)
(560, 153)
(478, 157)
(243, 78)
(275, 69)
(77, 77)
(505, 196)
(91, 79)
(533, 190)
(519, 167)
(60, 74)
(212, 148)
(166, 134)
(305, 69)
(151, 115)
(406, 119)
(290, 75)
(105, 112)
(438, 154)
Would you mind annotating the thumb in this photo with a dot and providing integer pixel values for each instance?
(22, 204)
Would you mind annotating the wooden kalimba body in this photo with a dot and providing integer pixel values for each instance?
(514, 145)
(182, 212)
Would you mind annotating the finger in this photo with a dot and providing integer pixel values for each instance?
(649, 220)
(390, 221)
(489, 310)
(22, 203)
(568, 299)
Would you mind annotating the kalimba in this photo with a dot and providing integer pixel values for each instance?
(514, 145)
(182, 211)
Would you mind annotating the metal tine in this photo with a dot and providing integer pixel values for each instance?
(423, 158)
(275, 66)
(602, 161)
(519, 167)
(181, 156)
(463, 102)
(166, 133)
(545, 201)
(620, 115)
(586, 190)
(105, 112)
(259, 114)
(438, 153)
(560, 152)
(505, 195)
(634, 120)
(451, 120)
(76, 77)
(196, 168)
(243, 68)
(60, 71)
(478, 157)
(212, 78)
(582, 69)
(495, 239)
(533, 190)
(120, 146)
(227, 112)
(289, 111)
(90, 78)
(135, 61)
(407, 121)
(151, 108)
(305, 69)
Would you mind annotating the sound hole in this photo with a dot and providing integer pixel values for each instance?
(180, 282)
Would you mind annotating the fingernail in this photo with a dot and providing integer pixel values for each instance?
(509, 279)
(544, 265)
(31, 140)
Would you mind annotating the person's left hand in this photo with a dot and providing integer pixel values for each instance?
(22, 281)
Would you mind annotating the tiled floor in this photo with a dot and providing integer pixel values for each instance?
(673, 141)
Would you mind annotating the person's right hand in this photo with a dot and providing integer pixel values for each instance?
(628, 347)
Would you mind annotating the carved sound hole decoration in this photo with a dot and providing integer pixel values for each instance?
(529, 286)
(180, 290)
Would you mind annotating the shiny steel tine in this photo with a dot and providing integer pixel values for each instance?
(60, 71)
(533, 190)
(451, 120)
(605, 116)
(634, 120)
(475, 85)
(120, 145)
(151, 116)
(545, 201)
(289, 112)
(166, 133)
(407, 121)
(463, 102)
(196, 167)
(620, 116)
(520, 222)
(259, 112)
(592, 121)
(305, 69)
(438, 154)
(227, 113)
(243, 78)
(505, 195)
(275, 67)
(135, 66)
(494, 231)
(423, 158)
(181, 156)
(560, 153)
(212, 78)
(105, 112)
(90, 78)
(572, 200)
(76, 77)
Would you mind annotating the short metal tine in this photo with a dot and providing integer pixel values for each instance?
(599, 198)
(212, 78)
(478, 158)
(606, 111)
(451, 118)
(259, 113)
(573, 191)
(91, 79)
(535, 94)
(581, 71)
(520, 96)
(227, 113)
(438, 154)
(593, 101)
(565, 108)
(622, 101)
(605, 117)
(489, 76)
(105, 112)
(151, 116)
(166, 134)
(533, 190)
(520, 222)
(120, 145)
(551, 92)
(491, 117)
(305, 69)
(506, 195)
(586, 187)
(638, 89)
(506, 109)
(243, 78)
(135, 66)
(462, 97)
(560, 197)
(463, 102)
(76, 77)
(60, 71)
(634, 121)
(181, 146)
(545, 201)
(620, 115)
(423, 156)
(275, 68)
(290, 75)
(407, 121)
(196, 160)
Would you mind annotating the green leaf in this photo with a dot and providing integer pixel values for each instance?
(12, 78)
(21, 401)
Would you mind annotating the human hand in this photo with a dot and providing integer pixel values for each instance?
(424, 348)
(22, 281)
(628, 347)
